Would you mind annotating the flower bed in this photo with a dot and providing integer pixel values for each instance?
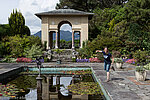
(79, 72)
(82, 60)
(95, 60)
(130, 61)
(22, 59)
(41, 60)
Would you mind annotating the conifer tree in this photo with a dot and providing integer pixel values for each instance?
(17, 24)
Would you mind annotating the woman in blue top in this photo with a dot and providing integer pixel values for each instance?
(107, 61)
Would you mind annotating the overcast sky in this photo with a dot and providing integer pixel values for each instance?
(28, 9)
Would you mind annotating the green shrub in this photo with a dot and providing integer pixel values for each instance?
(7, 59)
(85, 51)
(118, 60)
(100, 56)
(140, 69)
(116, 54)
(73, 59)
(34, 51)
(140, 56)
(46, 59)
(147, 66)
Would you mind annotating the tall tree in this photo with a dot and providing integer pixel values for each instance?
(4, 31)
(88, 5)
(17, 24)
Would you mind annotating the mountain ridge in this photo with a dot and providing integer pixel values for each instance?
(65, 35)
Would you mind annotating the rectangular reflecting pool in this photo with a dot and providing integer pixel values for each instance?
(63, 85)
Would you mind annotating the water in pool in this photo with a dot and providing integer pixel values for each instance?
(54, 87)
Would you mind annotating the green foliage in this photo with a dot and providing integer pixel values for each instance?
(15, 45)
(100, 57)
(46, 59)
(58, 51)
(25, 82)
(33, 52)
(2, 49)
(140, 69)
(82, 88)
(85, 51)
(73, 59)
(84, 5)
(116, 54)
(17, 24)
(65, 44)
(140, 56)
(118, 60)
(111, 25)
(147, 66)
(141, 39)
(27, 31)
(88, 5)
(8, 59)
(4, 31)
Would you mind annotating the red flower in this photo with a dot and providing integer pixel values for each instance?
(23, 59)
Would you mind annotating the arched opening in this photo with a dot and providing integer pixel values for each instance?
(65, 35)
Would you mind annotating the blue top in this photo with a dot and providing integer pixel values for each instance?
(107, 57)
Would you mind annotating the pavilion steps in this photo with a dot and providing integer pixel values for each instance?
(65, 55)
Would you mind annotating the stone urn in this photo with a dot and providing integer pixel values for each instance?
(140, 75)
(119, 65)
(118, 62)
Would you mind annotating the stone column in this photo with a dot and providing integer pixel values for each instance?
(57, 83)
(73, 40)
(56, 44)
(45, 31)
(73, 79)
(45, 89)
(39, 88)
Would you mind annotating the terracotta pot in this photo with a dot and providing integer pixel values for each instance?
(140, 76)
(119, 65)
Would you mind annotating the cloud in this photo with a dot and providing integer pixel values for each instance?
(34, 4)
(30, 7)
(66, 27)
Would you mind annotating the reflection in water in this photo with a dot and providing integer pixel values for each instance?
(54, 87)
(32, 95)
(64, 82)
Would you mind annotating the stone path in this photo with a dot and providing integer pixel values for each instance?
(122, 86)
(6, 67)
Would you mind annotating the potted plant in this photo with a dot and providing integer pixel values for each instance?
(58, 52)
(118, 62)
(140, 73)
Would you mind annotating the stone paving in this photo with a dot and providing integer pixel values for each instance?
(6, 67)
(122, 86)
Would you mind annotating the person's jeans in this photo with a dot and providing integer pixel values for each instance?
(107, 66)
